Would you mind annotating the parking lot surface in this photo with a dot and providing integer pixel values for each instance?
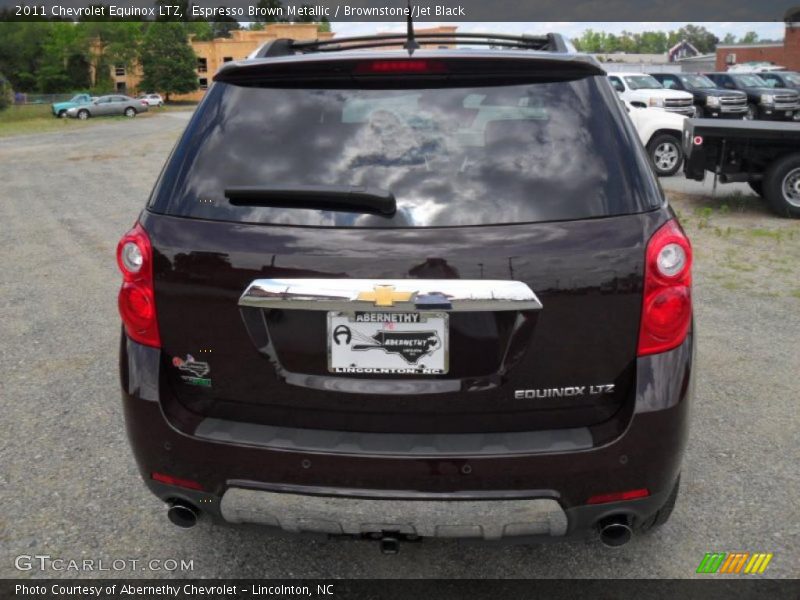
(70, 486)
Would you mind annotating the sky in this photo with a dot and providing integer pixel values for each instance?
(769, 30)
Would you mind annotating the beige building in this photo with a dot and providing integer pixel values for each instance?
(211, 55)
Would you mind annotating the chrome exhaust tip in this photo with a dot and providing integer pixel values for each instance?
(615, 531)
(183, 514)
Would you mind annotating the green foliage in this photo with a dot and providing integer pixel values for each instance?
(657, 42)
(111, 43)
(6, 93)
(223, 28)
(168, 61)
(751, 37)
(200, 30)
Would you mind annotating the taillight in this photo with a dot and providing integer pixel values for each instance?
(137, 304)
(389, 67)
(619, 496)
(667, 298)
(171, 480)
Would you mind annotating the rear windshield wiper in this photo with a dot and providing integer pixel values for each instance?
(345, 198)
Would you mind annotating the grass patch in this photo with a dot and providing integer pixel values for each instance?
(775, 234)
(32, 118)
(38, 118)
(795, 293)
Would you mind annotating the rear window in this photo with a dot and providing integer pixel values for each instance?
(451, 156)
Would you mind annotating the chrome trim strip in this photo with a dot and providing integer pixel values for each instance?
(457, 295)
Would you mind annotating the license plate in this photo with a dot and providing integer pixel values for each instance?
(388, 343)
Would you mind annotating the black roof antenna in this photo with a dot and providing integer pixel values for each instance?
(411, 43)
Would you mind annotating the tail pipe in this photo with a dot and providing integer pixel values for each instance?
(183, 514)
(615, 530)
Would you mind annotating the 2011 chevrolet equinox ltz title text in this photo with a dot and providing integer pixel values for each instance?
(399, 295)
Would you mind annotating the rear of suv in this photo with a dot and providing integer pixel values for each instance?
(394, 296)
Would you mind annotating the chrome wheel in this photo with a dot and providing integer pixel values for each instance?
(790, 187)
(83, 115)
(129, 112)
(665, 156)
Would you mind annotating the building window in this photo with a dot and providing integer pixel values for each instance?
(203, 83)
(202, 65)
(227, 59)
(122, 87)
(730, 59)
(119, 70)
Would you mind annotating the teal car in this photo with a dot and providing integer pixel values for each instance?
(60, 108)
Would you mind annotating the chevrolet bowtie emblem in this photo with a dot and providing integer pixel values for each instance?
(384, 295)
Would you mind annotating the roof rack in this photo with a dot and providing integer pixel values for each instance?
(551, 42)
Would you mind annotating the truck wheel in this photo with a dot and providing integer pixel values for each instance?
(756, 187)
(782, 186)
(752, 112)
(666, 154)
(664, 513)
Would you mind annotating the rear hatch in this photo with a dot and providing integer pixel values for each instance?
(432, 252)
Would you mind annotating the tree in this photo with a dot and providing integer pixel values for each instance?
(168, 61)
(64, 64)
(111, 43)
(6, 93)
(699, 37)
(200, 30)
(647, 42)
(223, 27)
(728, 39)
(751, 37)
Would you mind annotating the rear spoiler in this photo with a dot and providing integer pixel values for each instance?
(454, 67)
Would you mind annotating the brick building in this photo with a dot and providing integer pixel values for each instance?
(785, 53)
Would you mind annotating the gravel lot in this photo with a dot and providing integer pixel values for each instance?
(71, 489)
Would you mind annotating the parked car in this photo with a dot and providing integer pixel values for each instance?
(763, 102)
(765, 155)
(660, 132)
(783, 79)
(472, 323)
(152, 99)
(60, 108)
(105, 106)
(645, 90)
(709, 100)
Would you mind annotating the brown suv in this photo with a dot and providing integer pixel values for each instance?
(392, 296)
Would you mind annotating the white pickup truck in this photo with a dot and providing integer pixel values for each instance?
(661, 134)
(641, 89)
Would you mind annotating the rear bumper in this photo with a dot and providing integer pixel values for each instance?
(530, 490)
